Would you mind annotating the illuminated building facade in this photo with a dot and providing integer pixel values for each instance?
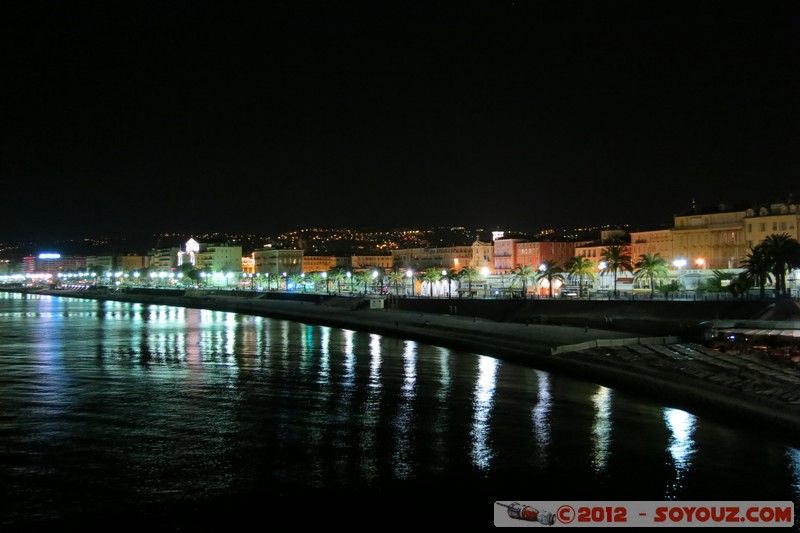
(769, 220)
(652, 242)
(50, 262)
(710, 239)
(534, 254)
(505, 255)
(482, 257)
(371, 262)
(456, 257)
(163, 259)
(277, 262)
(211, 257)
(318, 263)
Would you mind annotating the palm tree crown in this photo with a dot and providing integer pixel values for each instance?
(432, 275)
(782, 253)
(581, 268)
(469, 274)
(616, 258)
(522, 275)
(650, 267)
(551, 271)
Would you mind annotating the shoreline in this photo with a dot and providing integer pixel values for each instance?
(739, 390)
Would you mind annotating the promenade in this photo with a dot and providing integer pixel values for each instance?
(755, 392)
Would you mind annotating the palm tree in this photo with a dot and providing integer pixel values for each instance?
(336, 275)
(316, 279)
(450, 275)
(580, 267)
(783, 253)
(432, 275)
(297, 280)
(757, 269)
(616, 258)
(362, 277)
(551, 271)
(469, 274)
(649, 267)
(397, 278)
(523, 274)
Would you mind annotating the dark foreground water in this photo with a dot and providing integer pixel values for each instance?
(122, 411)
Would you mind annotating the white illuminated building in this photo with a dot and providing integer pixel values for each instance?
(211, 257)
(191, 249)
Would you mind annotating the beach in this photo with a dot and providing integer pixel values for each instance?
(756, 392)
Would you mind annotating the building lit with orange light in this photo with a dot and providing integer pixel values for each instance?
(769, 220)
(534, 254)
(318, 263)
(423, 258)
(652, 242)
(710, 239)
(505, 255)
(370, 262)
(277, 262)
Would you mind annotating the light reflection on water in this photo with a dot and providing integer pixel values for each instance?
(147, 402)
(482, 412)
(403, 467)
(681, 447)
(540, 416)
(601, 429)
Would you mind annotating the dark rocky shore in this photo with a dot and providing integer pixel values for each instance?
(654, 349)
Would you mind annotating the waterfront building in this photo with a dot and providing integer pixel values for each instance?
(116, 263)
(100, 263)
(248, 265)
(318, 263)
(130, 263)
(51, 262)
(482, 257)
(382, 263)
(163, 259)
(656, 241)
(211, 257)
(763, 221)
(711, 238)
(505, 255)
(277, 262)
(534, 254)
(457, 257)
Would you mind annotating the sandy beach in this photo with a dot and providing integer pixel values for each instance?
(753, 392)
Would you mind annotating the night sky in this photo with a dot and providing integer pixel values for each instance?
(123, 116)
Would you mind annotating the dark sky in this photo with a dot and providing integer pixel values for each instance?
(153, 116)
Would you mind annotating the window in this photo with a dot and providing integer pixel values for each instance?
(774, 226)
(763, 227)
(749, 228)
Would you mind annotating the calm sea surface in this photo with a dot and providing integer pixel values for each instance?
(109, 406)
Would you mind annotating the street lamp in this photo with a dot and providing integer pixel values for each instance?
(410, 276)
(349, 283)
(679, 264)
(485, 274)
